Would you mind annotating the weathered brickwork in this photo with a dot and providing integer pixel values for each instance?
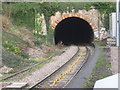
(90, 16)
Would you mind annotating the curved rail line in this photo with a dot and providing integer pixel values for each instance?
(33, 86)
(24, 70)
(85, 60)
(47, 80)
(70, 69)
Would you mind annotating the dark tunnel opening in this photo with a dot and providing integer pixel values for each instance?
(73, 31)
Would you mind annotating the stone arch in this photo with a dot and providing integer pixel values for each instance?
(72, 14)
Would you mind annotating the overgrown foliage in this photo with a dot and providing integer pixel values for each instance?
(15, 61)
(23, 13)
(100, 43)
(101, 70)
(15, 49)
(105, 8)
(50, 36)
(64, 6)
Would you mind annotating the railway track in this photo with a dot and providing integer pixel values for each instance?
(24, 70)
(20, 74)
(62, 76)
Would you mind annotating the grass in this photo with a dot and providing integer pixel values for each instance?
(53, 54)
(28, 72)
(19, 38)
(99, 64)
(37, 67)
(100, 43)
(10, 59)
(15, 61)
(99, 72)
(16, 37)
(6, 36)
(102, 75)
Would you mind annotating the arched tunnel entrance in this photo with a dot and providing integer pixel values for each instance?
(73, 31)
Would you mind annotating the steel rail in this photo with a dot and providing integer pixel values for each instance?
(33, 86)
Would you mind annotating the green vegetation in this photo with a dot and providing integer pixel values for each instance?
(108, 65)
(10, 47)
(48, 39)
(12, 38)
(38, 25)
(100, 43)
(64, 6)
(27, 72)
(50, 36)
(12, 56)
(100, 71)
(105, 8)
(21, 16)
(23, 13)
(38, 42)
(14, 61)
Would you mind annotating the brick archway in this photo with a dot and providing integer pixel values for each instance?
(72, 14)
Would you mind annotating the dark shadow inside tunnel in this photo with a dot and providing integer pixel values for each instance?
(73, 31)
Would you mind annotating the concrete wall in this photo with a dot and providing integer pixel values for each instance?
(115, 63)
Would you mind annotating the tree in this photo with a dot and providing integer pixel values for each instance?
(105, 8)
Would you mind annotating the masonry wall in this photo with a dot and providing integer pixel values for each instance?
(90, 16)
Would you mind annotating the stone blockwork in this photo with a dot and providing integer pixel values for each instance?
(90, 16)
(40, 24)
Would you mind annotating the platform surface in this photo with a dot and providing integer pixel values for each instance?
(17, 85)
(108, 82)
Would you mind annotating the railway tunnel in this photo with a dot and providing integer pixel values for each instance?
(73, 31)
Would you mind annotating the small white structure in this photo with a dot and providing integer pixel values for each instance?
(108, 82)
(112, 24)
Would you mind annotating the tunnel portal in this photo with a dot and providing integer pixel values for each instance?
(73, 31)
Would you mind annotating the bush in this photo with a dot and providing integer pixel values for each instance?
(41, 39)
(100, 43)
(13, 48)
(15, 61)
(50, 35)
(24, 55)
(10, 47)
(37, 43)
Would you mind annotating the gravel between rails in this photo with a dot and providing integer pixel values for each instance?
(50, 67)
(48, 82)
